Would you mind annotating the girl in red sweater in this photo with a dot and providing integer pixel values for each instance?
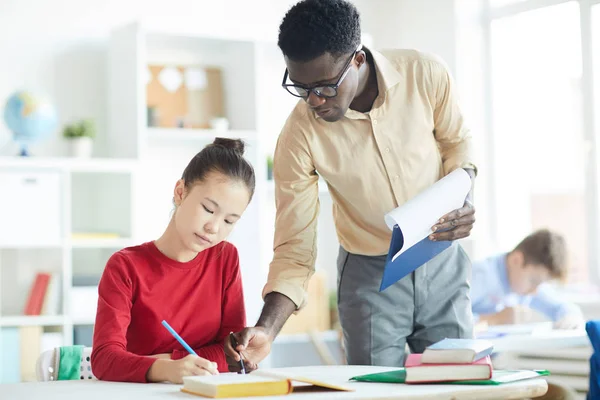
(189, 277)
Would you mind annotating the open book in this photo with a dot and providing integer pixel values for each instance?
(411, 225)
(258, 383)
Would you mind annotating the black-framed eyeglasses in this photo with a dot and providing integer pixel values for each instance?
(327, 91)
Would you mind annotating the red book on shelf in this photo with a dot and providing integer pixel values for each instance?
(35, 301)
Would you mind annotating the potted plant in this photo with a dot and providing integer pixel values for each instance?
(80, 136)
(269, 168)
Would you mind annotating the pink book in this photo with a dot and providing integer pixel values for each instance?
(417, 372)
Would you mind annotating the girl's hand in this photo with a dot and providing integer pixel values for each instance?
(190, 365)
(174, 370)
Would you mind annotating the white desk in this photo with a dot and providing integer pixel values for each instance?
(97, 390)
(536, 337)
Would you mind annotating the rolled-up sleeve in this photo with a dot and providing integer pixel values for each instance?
(451, 133)
(297, 202)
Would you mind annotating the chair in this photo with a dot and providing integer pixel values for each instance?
(65, 363)
(593, 331)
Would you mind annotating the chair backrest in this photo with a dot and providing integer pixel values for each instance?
(65, 363)
(593, 331)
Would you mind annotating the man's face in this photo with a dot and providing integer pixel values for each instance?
(327, 70)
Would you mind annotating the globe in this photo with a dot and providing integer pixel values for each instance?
(30, 117)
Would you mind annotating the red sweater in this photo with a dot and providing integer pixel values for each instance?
(201, 299)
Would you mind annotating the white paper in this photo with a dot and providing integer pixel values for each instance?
(416, 217)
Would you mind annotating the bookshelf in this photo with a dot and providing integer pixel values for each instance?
(75, 192)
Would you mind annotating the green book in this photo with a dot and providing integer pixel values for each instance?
(396, 376)
(498, 377)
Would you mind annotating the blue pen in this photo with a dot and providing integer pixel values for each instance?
(179, 339)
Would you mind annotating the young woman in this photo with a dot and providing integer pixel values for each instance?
(189, 277)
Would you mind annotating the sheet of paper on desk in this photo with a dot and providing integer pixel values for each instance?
(411, 225)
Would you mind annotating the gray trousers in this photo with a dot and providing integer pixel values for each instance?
(428, 305)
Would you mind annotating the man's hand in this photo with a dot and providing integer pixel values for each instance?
(253, 343)
(456, 224)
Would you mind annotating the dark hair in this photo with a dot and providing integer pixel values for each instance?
(222, 155)
(546, 248)
(314, 27)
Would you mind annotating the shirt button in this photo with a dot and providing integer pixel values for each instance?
(374, 122)
(387, 149)
(396, 177)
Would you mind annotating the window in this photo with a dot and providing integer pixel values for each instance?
(596, 60)
(538, 136)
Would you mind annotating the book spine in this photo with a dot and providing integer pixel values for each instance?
(37, 294)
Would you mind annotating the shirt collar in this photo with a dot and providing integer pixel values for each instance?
(387, 77)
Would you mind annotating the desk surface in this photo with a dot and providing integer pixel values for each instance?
(96, 390)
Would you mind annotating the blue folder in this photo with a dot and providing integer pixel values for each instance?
(410, 260)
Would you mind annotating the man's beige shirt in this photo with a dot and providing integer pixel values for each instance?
(372, 163)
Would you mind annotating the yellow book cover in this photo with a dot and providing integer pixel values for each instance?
(235, 385)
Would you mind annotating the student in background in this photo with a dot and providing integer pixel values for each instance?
(189, 277)
(504, 284)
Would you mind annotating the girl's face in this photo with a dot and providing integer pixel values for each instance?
(207, 211)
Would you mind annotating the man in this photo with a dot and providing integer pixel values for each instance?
(379, 130)
(504, 283)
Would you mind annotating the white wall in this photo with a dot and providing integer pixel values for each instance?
(426, 25)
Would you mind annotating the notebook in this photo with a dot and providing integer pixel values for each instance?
(457, 351)
(499, 377)
(417, 372)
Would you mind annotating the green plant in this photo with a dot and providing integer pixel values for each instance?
(269, 167)
(83, 128)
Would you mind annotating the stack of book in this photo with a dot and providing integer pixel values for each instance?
(453, 361)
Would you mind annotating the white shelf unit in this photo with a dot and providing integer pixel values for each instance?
(26, 320)
(57, 200)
